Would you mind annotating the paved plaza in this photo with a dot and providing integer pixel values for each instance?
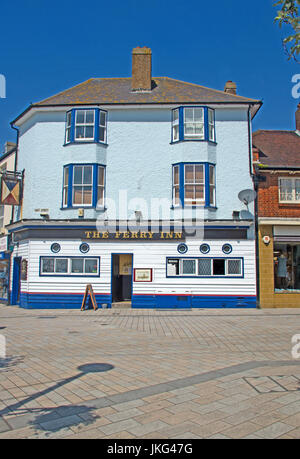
(165, 374)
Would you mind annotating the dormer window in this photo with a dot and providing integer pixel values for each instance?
(86, 125)
(193, 123)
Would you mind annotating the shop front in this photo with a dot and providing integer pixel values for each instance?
(280, 265)
(52, 265)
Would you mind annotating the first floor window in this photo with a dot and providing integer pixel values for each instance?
(176, 195)
(205, 267)
(212, 186)
(289, 190)
(66, 187)
(86, 125)
(70, 266)
(83, 185)
(100, 191)
(194, 184)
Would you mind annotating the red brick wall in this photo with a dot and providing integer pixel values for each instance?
(268, 197)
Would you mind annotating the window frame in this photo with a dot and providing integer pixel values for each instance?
(212, 276)
(194, 185)
(82, 185)
(205, 202)
(182, 136)
(294, 200)
(95, 187)
(84, 125)
(69, 273)
(71, 124)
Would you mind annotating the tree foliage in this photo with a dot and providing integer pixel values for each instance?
(288, 16)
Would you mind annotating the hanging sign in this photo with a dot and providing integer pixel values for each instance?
(3, 244)
(10, 190)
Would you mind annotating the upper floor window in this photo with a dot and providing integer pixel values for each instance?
(86, 125)
(83, 185)
(194, 184)
(193, 123)
(289, 190)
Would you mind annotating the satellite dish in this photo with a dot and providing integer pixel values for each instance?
(247, 196)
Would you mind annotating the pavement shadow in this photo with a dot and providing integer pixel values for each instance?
(8, 363)
(56, 418)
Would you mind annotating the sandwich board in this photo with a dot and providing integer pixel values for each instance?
(89, 294)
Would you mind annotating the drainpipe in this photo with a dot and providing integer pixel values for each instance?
(12, 218)
(16, 163)
(255, 183)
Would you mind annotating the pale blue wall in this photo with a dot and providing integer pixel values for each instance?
(138, 158)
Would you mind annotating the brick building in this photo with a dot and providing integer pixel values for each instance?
(277, 162)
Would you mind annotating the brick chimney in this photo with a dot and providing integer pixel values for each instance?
(141, 69)
(230, 87)
(298, 118)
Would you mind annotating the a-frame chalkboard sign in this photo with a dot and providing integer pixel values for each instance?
(89, 293)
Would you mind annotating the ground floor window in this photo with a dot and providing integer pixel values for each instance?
(69, 266)
(286, 266)
(4, 271)
(205, 267)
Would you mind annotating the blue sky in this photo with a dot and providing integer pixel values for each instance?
(46, 47)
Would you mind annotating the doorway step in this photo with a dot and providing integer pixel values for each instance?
(121, 305)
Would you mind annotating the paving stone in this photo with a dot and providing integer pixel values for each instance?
(274, 431)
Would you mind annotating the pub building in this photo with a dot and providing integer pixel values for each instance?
(155, 138)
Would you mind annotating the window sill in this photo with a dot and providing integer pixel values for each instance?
(197, 206)
(98, 209)
(193, 140)
(80, 142)
(289, 203)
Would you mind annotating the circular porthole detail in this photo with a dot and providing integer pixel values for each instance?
(55, 247)
(84, 247)
(227, 249)
(182, 248)
(204, 248)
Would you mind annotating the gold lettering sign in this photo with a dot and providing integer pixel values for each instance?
(127, 235)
